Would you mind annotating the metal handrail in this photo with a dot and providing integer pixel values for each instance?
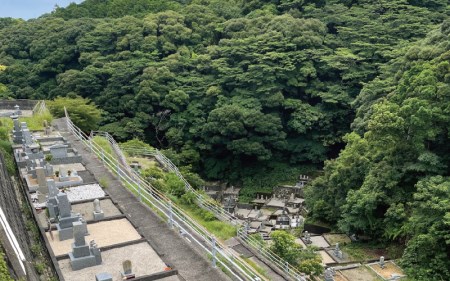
(175, 215)
(219, 212)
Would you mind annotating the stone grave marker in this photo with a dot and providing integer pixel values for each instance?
(59, 150)
(66, 218)
(328, 275)
(381, 262)
(83, 255)
(42, 180)
(98, 212)
(27, 137)
(307, 237)
(127, 270)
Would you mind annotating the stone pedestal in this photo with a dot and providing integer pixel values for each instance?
(99, 215)
(83, 255)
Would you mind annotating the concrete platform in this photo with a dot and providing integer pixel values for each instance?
(326, 258)
(105, 233)
(144, 261)
(85, 209)
(319, 241)
(361, 273)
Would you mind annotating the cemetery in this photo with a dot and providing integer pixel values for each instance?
(284, 209)
(90, 238)
(86, 232)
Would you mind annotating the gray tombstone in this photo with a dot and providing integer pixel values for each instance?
(127, 268)
(337, 252)
(78, 233)
(98, 212)
(65, 208)
(42, 180)
(381, 262)
(83, 255)
(48, 170)
(52, 189)
(328, 274)
(63, 176)
(27, 137)
(97, 207)
(307, 237)
(17, 110)
(59, 150)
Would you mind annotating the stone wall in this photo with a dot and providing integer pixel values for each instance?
(9, 192)
(24, 104)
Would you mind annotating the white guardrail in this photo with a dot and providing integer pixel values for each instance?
(205, 202)
(219, 253)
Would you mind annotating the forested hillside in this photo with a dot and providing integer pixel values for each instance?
(392, 180)
(252, 91)
(229, 84)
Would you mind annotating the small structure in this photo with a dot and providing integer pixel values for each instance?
(127, 270)
(58, 151)
(381, 262)
(66, 218)
(307, 237)
(337, 252)
(329, 274)
(98, 212)
(83, 255)
(283, 221)
(52, 201)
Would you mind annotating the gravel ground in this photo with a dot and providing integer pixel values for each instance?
(84, 192)
(326, 258)
(144, 261)
(87, 209)
(104, 233)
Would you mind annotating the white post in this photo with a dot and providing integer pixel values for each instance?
(139, 189)
(214, 251)
(170, 215)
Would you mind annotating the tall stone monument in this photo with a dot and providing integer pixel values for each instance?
(52, 202)
(65, 218)
(83, 255)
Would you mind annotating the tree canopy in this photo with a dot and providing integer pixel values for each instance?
(254, 91)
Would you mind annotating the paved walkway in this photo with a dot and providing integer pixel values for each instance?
(191, 263)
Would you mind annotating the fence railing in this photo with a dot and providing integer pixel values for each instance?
(40, 107)
(202, 199)
(176, 217)
(205, 202)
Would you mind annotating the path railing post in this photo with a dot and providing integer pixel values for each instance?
(170, 215)
(214, 251)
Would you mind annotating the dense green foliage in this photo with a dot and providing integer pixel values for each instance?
(251, 90)
(306, 260)
(229, 84)
(391, 180)
(4, 273)
(82, 112)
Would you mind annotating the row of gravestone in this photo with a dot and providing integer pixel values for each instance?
(72, 225)
(35, 162)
